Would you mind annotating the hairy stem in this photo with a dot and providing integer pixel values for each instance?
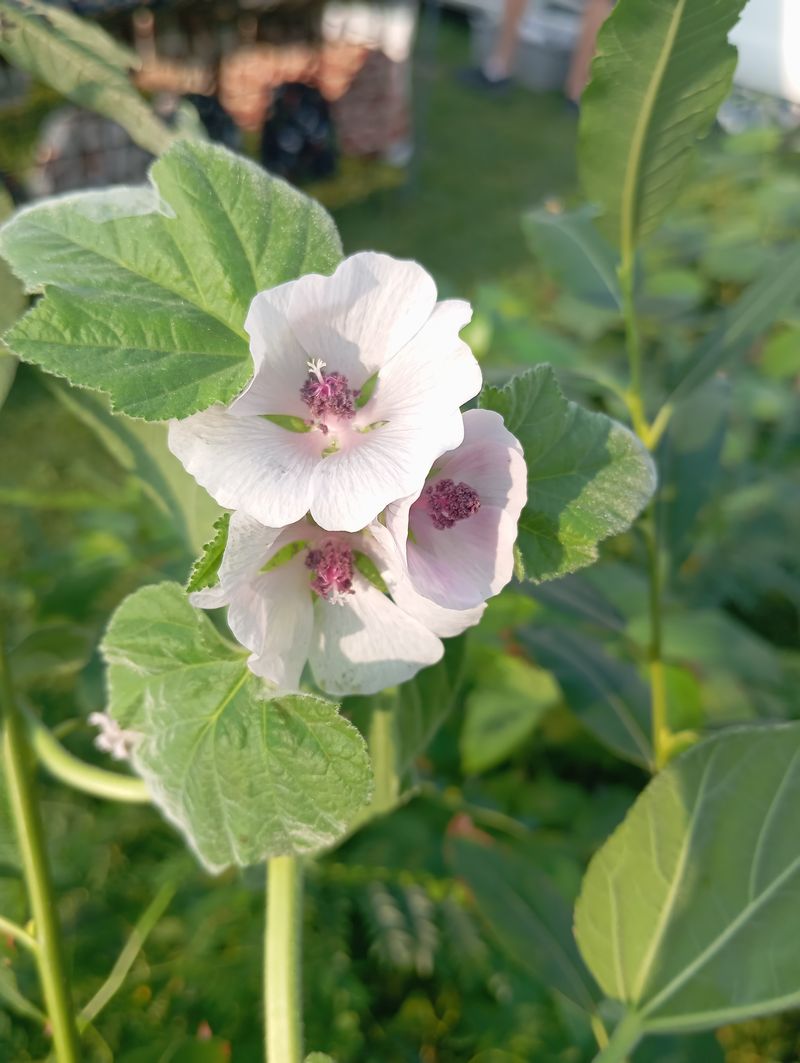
(282, 959)
(30, 837)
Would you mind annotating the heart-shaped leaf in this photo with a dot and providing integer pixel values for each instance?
(147, 289)
(243, 775)
(588, 476)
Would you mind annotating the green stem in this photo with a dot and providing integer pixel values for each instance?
(383, 751)
(69, 769)
(282, 959)
(130, 951)
(30, 837)
(12, 930)
(633, 341)
(623, 1040)
(662, 736)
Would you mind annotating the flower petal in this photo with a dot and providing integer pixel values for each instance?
(273, 616)
(392, 566)
(352, 486)
(357, 319)
(462, 566)
(434, 374)
(279, 360)
(248, 463)
(367, 643)
(250, 545)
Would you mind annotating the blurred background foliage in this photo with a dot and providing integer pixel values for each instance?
(409, 956)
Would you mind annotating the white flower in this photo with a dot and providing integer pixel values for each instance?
(112, 738)
(358, 379)
(301, 594)
(457, 534)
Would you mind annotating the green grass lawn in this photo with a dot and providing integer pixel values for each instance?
(481, 161)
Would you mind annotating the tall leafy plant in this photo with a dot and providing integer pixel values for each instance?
(142, 295)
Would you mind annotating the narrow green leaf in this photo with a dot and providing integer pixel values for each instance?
(528, 916)
(245, 776)
(689, 913)
(743, 323)
(606, 694)
(205, 569)
(574, 253)
(147, 289)
(588, 476)
(80, 61)
(663, 68)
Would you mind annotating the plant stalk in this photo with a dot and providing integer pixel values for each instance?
(30, 837)
(62, 765)
(282, 961)
(623, 1040)
(649, 435)
(662, 736)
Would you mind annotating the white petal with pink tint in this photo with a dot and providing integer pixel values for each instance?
(248, 463)
(459, 567)
(367, 643)
(315, 343)
(357, 319)
(356, 640)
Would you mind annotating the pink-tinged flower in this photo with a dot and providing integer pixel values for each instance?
(457, 533)
(358, 379)
(111, 738)
(302, 594)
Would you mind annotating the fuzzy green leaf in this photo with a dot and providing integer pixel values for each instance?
(243, 775)
(663, 68)
(689, 913)
(588, 476)
(80, 61)
(147, 289)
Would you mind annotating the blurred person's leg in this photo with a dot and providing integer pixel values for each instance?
(497, 68)
(500, 62)
(594, 15)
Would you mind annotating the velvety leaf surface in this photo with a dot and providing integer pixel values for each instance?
(663, 68)
(147, 289)
(244, 776)
(588, 476)
(80, 61)
(690, 912)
